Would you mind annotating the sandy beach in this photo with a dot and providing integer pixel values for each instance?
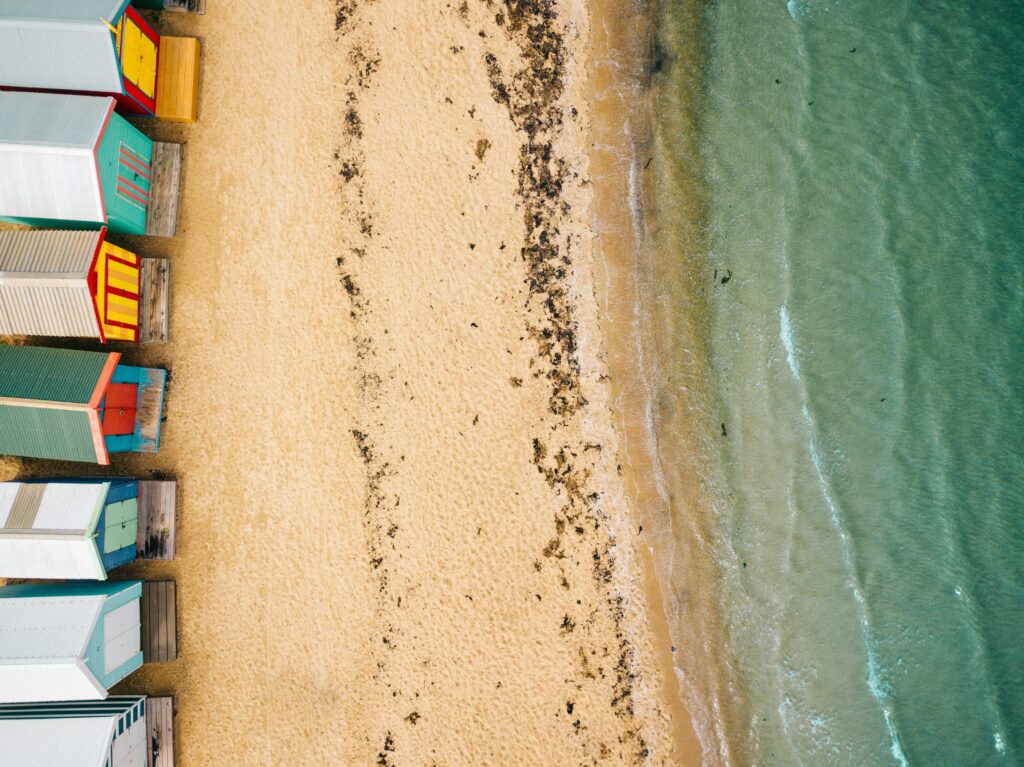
(405, 532)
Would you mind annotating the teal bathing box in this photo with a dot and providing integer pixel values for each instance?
(71, 641)
(71, 162)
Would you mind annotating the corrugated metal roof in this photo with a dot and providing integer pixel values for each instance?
(47, 252)
(46, 310)
(49, 681)
(47, 433)
(67, 506)
(62, 506)
(33, 629)
(72, 558)
(114, 705)
(52, 119)
(63, 10)
(59, 55)
(44, 283)
(47, 166)
(68, 742)
(8, 492)
(52, 375)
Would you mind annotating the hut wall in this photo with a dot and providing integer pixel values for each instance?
(149, 410)
(130, 747)
(125, 159)
(115, 647)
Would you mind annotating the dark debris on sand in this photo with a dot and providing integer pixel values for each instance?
(533, 95)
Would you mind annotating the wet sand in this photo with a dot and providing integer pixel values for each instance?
(404, 536)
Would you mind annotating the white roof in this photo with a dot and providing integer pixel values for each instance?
(62, 506)
(46, 528)
(44, 283)
(52, 120)
(56, 742)
(63, 10)
(47, 628)
(42, 643)
(55, 558)
(60, 45)
(51, 252)
(48, 167)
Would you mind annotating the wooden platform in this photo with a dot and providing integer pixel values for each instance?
(177, 80)
(154, 300)
(159, 622)
(160, 732)
(190, 6)
(149, 415)
(157, 519)
(164, 190)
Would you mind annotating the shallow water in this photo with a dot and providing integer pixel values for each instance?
(856, 249)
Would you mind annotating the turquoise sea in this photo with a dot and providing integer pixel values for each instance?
(852, 186)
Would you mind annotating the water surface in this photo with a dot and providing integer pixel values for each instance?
(860, 258)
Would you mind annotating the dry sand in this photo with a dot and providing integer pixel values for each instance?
(403, 534)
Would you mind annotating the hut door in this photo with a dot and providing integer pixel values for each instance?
(122, 636)
(138, 54)
(121, 525)
(119, 408)
(116, 292)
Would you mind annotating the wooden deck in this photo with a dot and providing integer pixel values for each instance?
(189, 6)
(152, 384)
(159, 622)
(164, 190)
(177, 81)
(157, 519)
(154, 300)
(160, 732)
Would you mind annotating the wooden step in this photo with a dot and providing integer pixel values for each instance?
(160, 732)
(159, 622)
(165, 189)
(157, 519)
(177, 79)
(154, 300)
(190, 6)
(182, 6)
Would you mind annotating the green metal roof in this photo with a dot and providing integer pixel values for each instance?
(52, 375)
(46, 433)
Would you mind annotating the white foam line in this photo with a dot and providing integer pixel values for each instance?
(875, 684)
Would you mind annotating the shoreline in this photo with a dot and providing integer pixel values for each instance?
(658, 276)
(620, 56)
